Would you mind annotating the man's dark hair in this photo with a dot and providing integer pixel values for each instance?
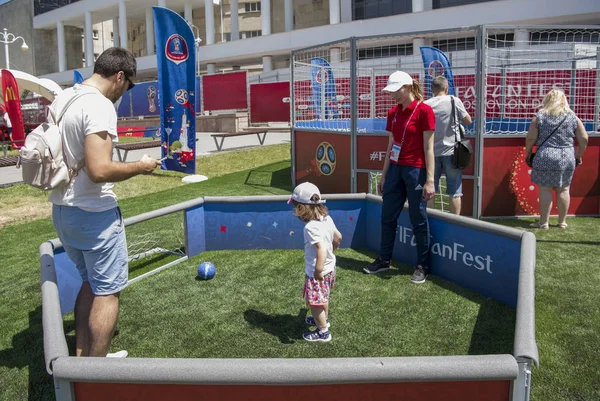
(113, 60)
(438, 84)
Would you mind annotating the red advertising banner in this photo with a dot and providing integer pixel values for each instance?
(225, 91)
(419, 391)
(324, 160)
(12, 104)
(270, 102)
(508, 190)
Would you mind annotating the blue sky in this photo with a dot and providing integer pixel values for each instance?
(4, 1)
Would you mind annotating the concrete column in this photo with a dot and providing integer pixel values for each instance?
(149, 32)
(187, 11)
(421, 5)
(89, 40)
(335, 55)
(211, 67)
(123, 24)
(162, 3)
(346, 10)
(334, 12)
(521, 38)
(267, 63)
(235, 20)
(62, 51)
(116, 38)
(288, 7)
(418, 42)
(209, 12)
(265, 17)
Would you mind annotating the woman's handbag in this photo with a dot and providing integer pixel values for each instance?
(461, 158)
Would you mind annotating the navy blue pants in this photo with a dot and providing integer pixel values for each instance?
(402, 183)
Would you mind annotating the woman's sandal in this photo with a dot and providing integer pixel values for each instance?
(540, 226)
(563, 225)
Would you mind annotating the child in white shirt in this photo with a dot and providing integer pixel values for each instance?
(321, 238)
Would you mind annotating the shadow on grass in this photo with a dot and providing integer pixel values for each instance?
(28, 352)
(287, 328)
(265, 178)
(494, 329)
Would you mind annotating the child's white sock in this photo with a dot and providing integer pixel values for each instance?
(323, 331)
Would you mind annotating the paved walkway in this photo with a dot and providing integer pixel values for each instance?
(205, 146)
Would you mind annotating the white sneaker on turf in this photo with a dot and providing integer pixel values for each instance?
(118, 354)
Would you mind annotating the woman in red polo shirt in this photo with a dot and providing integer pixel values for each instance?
(407, 172)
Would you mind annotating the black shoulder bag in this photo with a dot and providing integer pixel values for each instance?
(461, 158)
(548, 137)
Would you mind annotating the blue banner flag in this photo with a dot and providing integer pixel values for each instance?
(436, 63)
(77, 77)
(323, 90)
(176, 61)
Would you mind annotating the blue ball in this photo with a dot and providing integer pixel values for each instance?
(206, 271)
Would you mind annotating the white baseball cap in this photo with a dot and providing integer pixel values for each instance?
(303, 192)
(397, 80)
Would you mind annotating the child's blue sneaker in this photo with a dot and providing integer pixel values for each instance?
(311, 321)
(317, 335)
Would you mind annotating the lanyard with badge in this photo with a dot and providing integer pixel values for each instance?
(397, 147)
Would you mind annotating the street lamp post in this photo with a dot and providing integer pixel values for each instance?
(8, 38)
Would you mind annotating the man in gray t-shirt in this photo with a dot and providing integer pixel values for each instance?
(444, 138)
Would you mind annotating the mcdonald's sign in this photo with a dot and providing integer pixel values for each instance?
(9, 95)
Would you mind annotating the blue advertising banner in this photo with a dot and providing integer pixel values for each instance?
(176, 61)
(124, 107)
(479, 261)
(77, 77)
(436, 63)
(323, 90)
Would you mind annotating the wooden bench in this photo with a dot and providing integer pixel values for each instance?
(257, 131)
(8, 161)
(126, 147)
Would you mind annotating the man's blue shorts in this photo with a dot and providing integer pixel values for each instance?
(95, 242)
(453, 176)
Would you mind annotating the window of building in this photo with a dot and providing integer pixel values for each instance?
(456, 44)
(95, 34)
(251, 7)
(387, 51)
(365, 9)
(453, 3)
(228, 36)
(112, 35)
(564, 35)
(253, 34)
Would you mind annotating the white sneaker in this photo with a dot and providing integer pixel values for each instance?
(119, 354)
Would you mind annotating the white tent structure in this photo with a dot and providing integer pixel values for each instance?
(44, 87)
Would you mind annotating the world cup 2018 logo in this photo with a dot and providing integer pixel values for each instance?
(321, 77)
(151, 93)
(323, 163)
(436, 69)
(176, 49)
(326, 158)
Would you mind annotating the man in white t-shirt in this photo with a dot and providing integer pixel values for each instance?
(85, 213)
(445, 137)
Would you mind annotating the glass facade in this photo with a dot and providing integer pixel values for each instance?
(365, 9)
(42, 6)
(453, 3)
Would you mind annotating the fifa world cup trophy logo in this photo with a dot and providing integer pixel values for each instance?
(151, 92)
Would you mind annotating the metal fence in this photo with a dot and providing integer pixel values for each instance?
(501, 74)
